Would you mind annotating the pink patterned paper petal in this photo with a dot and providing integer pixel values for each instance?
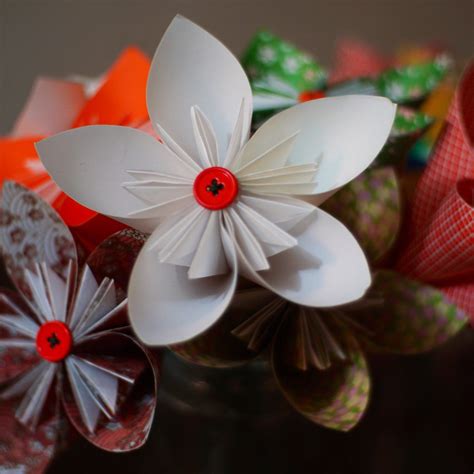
(335, 398)
(218, 346)
(13, 360)
(32, 232)
(370, 207)
(24, 451)
(128, 430)
(114, 258)
(444, 249)
(413, 317)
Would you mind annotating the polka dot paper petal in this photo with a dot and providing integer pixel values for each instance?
(413, 317)
(370, 207)
(335, 398)
(413, 82)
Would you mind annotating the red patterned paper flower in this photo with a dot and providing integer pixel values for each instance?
(64, 344)
(440, 250)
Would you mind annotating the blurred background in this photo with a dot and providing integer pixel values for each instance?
(420, 418)
(61, 37)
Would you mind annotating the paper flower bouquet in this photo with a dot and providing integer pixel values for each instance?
(277, 244)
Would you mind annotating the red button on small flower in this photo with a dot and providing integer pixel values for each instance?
(215, 188)
(310, 95)
(54, 341)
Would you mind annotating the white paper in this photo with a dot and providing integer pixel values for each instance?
(200, 101)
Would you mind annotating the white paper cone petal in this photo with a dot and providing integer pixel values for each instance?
(282, 210)
(191, 67)
(168, 307)
(90, 164)
(345, 133)
(327, 268)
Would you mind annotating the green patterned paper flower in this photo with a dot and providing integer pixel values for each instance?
(270, 57)
(370, 207)
(412, 83)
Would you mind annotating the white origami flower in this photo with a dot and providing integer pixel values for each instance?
(216, 203)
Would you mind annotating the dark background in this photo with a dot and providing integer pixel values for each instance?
(420, 419)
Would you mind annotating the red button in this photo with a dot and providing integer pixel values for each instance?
(54, 341)
(310, 95)
(215, 188)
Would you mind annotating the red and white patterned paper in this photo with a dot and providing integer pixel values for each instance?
(440, 247)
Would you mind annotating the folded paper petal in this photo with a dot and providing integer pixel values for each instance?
(370, 207)
(120, 100)
(342, 134)
(461, 293)
(90, 164)
(52, 106)
(326, 268)
(24, 451)
(219, 346)
(168, 307)
(190, 68)
(271, 62)
(335, 398)
(413, 317)
(129, 428)
(20, 163)
(356, 59)
(408, 126)
(114, 258)
(453, 157)
(414, 81)
(14, 361)
(32, 232)
(445, 248)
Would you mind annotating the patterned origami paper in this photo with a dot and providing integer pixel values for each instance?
(355, 59)
(57, 105)
(65, 352)
(440, 247)
(319, 355)
(218, 204)
(277, 86)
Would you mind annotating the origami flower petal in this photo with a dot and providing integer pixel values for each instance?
(90, 164)
(51, 108)
(18, 358)
(370, 207)
(336, 397)
(31, 232)
(444, 249)
(135, 369)
(342, 134)
(120, 99)
(413, 318)
(168, 307)
(114, 258)
(22, 449)
(219, 346)
(326, 268)
(191, 67)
